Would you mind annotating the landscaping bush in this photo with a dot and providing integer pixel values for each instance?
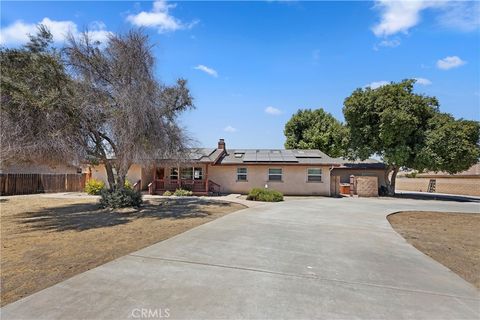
(267, 195)
(167, 193)
(94, 187)
(128, 185)
(120, 198)
(182, 193)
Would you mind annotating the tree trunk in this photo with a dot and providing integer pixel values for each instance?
(390, 179)
(122, 171)
(393, 179)
(110, 175)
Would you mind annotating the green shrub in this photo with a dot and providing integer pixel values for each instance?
(120, 198)
(167, 193)
(267, 195)
(182, 193)
(128, 185)
(94, 187)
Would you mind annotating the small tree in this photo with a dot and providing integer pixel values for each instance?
(129, 116)
(316, 129)
(407, 130)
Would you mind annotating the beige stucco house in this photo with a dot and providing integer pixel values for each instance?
(292, 172)
(223, 170)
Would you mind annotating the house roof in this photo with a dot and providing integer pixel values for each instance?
(256, 156)
(272, 156)
(360, 164)
(203, 154)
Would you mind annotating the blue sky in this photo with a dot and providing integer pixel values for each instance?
(251, 65)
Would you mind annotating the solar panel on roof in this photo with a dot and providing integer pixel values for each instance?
(263, 157)
(308, 156)
(250, 156)
(289, 158)
(276, 158)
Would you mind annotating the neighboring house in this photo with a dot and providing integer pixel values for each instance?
(292, 172)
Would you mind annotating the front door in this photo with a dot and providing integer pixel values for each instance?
(160, 173)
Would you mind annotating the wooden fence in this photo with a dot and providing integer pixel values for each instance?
(27, 183)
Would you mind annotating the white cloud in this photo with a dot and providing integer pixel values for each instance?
(388, 43)
(450, 62)
(461, 15)
(273, 111)
(17, 33)
(207, 70)
(399, 16)
(160, 18)
(423, 81)
(376, 84)
(230, 129)
(97, 31)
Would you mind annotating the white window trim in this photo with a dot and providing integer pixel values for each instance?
(316, 175)
(281, 175)
(198, 169)
(242, 174)
(170, 176)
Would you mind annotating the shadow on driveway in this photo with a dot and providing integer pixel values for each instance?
(435, 196)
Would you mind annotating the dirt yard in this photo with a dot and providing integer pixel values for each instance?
(47, 240)
(453, 239)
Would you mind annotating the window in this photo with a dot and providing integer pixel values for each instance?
(197, 173)
(186, 173)
(241, 174)
(274, 174)
(174, 174)
(314, 175)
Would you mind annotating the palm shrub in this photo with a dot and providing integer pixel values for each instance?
(94, 186)
(120, 198)
(267, 195)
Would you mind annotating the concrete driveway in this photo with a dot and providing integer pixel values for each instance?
(308, 258)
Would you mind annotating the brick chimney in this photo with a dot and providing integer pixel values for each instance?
(221, 144)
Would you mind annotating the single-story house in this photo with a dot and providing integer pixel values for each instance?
(292, 172)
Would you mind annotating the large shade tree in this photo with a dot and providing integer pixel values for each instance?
(91, 102)
(316, 129)
(407, 129)
(130, 117)
(38, 121)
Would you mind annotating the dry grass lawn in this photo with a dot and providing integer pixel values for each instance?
(453, 239)
(47, 240)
